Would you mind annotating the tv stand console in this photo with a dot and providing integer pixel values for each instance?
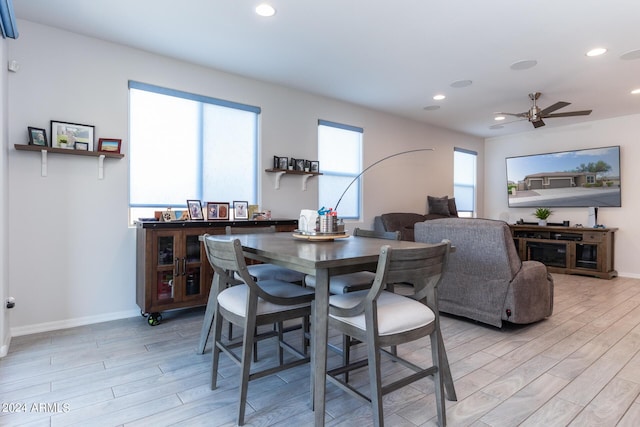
(568, 250)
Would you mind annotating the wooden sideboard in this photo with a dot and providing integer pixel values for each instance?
(172, 270)
(569, 250)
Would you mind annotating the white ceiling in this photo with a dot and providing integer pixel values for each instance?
(392, 56)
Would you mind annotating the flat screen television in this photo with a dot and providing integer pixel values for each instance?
(577, 178)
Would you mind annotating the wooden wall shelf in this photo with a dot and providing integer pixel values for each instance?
(100, 155)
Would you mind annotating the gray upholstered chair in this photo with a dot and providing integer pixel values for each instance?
(380, 318)
(344, 283)
(250, 305)
(485, 279)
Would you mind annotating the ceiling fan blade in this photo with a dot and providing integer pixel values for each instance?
(569, 114)
(523, 115)
(554, 107)
(537, 123)
(501, 125)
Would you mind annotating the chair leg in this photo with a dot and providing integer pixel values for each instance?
(437, 378)
(376, 383)
(279, 329)
(346, 354)
(217, 337)
(247, 350)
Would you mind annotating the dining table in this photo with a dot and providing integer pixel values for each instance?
(323, 259)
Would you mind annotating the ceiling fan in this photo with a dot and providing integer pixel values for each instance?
(535, 114)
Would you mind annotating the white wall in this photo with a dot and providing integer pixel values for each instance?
(621, 131)
(71, 257)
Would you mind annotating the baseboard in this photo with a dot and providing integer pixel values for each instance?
(72, 323)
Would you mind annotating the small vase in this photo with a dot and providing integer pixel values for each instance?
(542, 222)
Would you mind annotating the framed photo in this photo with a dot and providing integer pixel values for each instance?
(307, 166)
(37, 136)
(109, 145)
(283, 163)
(217, 211)
(240, 210)
(299, 166)
(65, 135)
(292, 164)
(195, 210)
(315, 167)
(82, 146)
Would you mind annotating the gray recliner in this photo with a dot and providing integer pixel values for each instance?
(485, 279)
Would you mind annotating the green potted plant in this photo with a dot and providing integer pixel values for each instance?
(542, 214)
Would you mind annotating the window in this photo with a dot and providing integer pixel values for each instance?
(464, 181)
(340, 157)
(186, 146)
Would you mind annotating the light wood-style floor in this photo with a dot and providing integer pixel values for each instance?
(580, 367)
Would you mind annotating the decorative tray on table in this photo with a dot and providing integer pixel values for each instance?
(318, 236)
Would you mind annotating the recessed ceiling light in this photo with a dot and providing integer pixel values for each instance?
(461, 83)
(498, 118)
(597, 51)
(439, 97)
(431, 107)
(632, 54)
(524, 64)
(265, 10)
(635, 92)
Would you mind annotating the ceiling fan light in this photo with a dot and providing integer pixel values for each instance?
(439, 97)
(597, 51)
(499, 118)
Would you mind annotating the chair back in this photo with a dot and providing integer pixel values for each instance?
(229, 230)
(226, 259)
(421, 267)
(389, 235)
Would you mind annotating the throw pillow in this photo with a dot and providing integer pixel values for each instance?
(453, 209)
(439, 205)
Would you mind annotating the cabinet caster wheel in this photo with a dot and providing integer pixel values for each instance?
(154, 319)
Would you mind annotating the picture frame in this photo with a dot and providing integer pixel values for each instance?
(109, 145)
(240, 210)
(84, 146)
(299, 166)
(307, 165)
(314, 166)
(217, 211)
(66, 134)
(37, 136)
(195, 210)
(283, 163)
(292, 164)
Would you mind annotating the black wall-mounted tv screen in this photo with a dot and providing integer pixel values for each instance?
(577, 178)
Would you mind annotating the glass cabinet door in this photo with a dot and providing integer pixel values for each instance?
(165, 270)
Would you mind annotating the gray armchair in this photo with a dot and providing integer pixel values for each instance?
(485, 279)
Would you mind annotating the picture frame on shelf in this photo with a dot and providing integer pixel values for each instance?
(37, 136)
(217, 211)
(314, 166)
(109, 145)
(195, 210)
(283, 163)
(240, 209)
(66, 134)
(292, 164)
(299, 166)
(307, 165)
(82, 146)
